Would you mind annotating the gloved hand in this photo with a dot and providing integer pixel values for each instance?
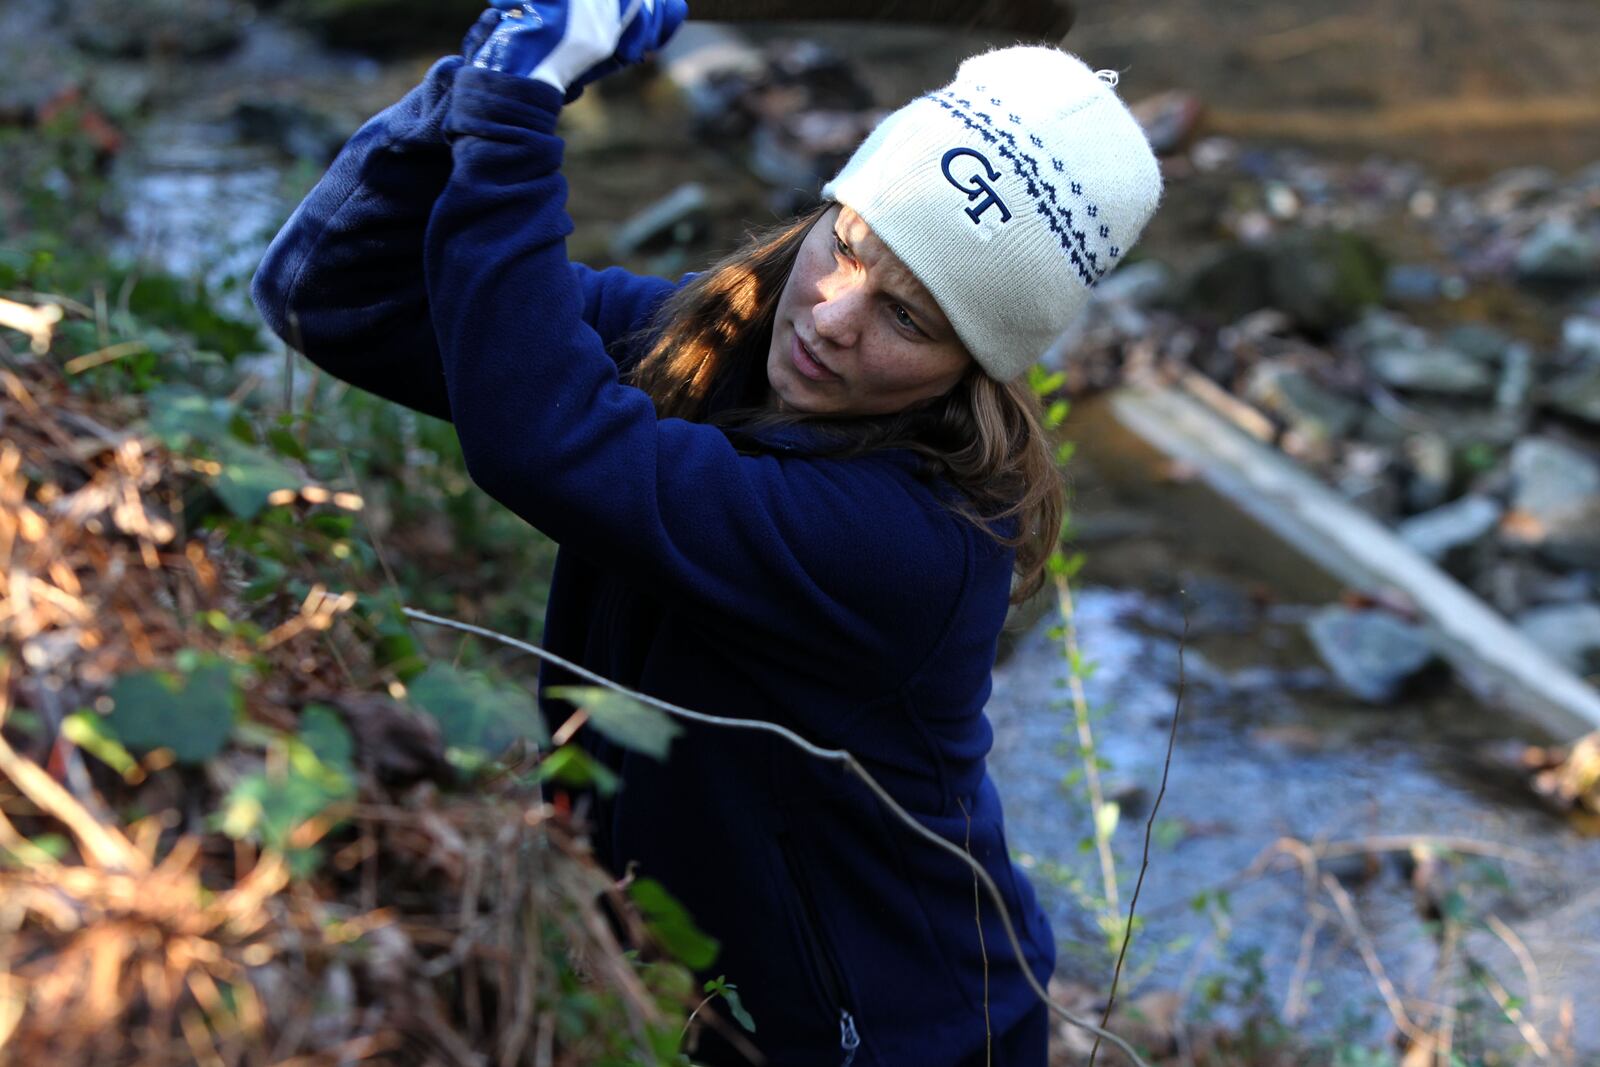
(569, 43)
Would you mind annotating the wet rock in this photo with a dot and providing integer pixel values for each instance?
(1380, 328)
(290, 128)
(1515, 388)
(1430, 471)
(1556, 497)
(1169, 120)
(1372, 654)
(1580, 339)
(1515, 584)
(1298, 399)
(381, 26)
(1558, 253)
(1514, 189)
(1576, 394)
(1367, 479)
(1483, 343)
(1460, 528)
(1142, 284)
(1413, 283)
(1354, 868)
(712, 66)
(1548, 475)
(1322, 279)
(1569, 632)
(1431, 369)
(156, 27)
(681, 218)
(1131, 798)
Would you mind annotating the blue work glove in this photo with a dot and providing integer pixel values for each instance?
(569, 43)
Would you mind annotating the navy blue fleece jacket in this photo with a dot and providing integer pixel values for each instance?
(841, 598)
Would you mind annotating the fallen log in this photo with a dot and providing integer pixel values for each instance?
(1495, 661)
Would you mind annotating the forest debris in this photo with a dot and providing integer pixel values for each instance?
(167, 941)
(38, 323)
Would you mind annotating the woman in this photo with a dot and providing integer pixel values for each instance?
(803, 486)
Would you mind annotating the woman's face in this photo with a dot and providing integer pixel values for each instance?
(855, 332)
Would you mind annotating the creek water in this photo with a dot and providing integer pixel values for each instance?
(1265, 748)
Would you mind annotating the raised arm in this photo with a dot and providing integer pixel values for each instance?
(342, 281)
(823, 555)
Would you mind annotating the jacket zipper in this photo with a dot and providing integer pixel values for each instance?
(849, 1038)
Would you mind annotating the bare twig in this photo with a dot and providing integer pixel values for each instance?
(1530, 969)
(1369, 956)
(1149, 831)
(839, 756)
(1529, 1032)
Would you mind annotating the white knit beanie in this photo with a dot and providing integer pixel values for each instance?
(1009, 193)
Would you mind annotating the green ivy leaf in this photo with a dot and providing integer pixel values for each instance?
(249, 476)
(476, 712)
(192, 715)
(268, 808)
(571, 766)
(324, 733)
(623, 719)
(669, 921)
(181, 416)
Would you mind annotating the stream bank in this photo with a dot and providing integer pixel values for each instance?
(1268, 746)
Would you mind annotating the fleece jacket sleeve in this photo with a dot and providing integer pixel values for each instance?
(342, 281)
(834, 565)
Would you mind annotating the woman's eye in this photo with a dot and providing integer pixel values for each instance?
(903, 317)
(840, 247)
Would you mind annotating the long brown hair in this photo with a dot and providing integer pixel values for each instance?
(986, 438)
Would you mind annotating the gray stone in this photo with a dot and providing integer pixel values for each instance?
(157, 27)
(1372, 655)
(1413, 283)
(1446, 531)
(1431, 470)
(1556, 493)
(1141, 284)
(1516, 379)
(1569, 632)
(1383, 329)
(1478, 341)
(1514, 584)
(1547, 476)
(1322, 279)
(682, 217)
(290, 128)
(1580, 338)
(1434, 369)
(1576, 394)
(1558, 253)
(1297, 398)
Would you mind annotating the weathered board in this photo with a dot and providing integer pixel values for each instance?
(1494, 660)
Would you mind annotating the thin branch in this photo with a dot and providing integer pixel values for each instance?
(1091, 767)
(1149, 831)
(1369, 956)
(839, 756)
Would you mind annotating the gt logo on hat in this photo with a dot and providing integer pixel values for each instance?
(976, 186)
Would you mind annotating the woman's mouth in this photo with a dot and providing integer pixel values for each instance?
(806, 363)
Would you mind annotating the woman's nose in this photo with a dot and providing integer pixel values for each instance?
(837, 315)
